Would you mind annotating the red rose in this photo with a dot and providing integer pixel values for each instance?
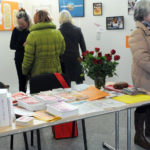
(97, 49)
(108, 57)
(94, 61)
(116, 57)
(113, 52)
(92, 52)
(85, 53)
(100, 54)
(99, 61)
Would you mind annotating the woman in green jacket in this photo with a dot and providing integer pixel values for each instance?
(43, 48)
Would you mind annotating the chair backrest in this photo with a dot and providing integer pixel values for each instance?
(46, 82)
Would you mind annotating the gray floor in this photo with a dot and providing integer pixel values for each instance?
(99, 129)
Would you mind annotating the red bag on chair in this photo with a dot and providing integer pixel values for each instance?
(66, 130)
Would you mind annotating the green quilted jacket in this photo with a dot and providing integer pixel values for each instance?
(43, 48)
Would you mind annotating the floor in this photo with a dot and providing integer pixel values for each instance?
(99, 129)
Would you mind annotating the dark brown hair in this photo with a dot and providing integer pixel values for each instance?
(42, 16)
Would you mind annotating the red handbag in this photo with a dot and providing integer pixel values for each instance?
(66, 130)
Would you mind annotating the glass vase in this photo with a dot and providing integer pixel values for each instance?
(100, 82)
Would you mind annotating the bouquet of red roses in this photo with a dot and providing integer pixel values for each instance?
(98, 66)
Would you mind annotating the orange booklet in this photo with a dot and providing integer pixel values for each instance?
(93, 93)
(44, 116)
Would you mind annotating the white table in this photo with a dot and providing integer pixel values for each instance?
(7, 131)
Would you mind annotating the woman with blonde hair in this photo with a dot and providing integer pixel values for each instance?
(73, 38)
(17, 43)
(43, 48)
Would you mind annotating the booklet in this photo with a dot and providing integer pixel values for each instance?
(62, 109)
(44, 116)
(31, 104)
(24, 121)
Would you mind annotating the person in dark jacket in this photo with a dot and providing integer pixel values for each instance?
(74, 38)
(18, 40)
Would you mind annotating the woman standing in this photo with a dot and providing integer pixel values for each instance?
(140, 48)
(73, 38)
(17, 43)
(43, 48)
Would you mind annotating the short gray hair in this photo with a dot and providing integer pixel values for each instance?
(65, 17)
(141, 9)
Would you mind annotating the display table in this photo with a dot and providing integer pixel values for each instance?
(37, 124)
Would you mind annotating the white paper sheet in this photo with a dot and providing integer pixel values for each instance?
(107, 104)
(22, 112)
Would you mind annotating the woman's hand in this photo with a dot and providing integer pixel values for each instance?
(24, 44)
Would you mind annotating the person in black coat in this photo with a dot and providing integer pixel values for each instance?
(18, 39)
(74, 38)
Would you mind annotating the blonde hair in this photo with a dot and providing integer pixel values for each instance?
(23, 14)
(65, 17)
(42, 16)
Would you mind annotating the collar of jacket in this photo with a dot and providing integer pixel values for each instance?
(143, 27)
(66, 24)
(43, 25)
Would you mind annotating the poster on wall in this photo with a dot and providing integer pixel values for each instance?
(75, 7)
(127, 42)
(0, 14)
(115, 23)
(8, 13)
(131, 4)
(97, 9)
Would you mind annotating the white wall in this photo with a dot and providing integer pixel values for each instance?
(109, 39)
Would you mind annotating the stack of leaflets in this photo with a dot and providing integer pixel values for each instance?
(72, 97)
(49, 99)
(24, 121)
(62, 109)
(31, 104)
(6, 108)
(18, 96)
(80, 87)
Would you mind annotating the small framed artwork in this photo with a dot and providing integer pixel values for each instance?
(75, 7)
(97, 9)
(131, 4)
(115, 23)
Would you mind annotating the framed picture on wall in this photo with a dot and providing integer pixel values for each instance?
(97, 9)
(115, 23)
(75, 7)
(131, 4)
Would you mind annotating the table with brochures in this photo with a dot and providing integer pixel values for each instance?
(99, 107)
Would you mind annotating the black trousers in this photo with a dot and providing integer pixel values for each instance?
(21, 78)
(143, 109)
(73, 70)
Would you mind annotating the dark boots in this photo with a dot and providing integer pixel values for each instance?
(147, 123)
(139, 138)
